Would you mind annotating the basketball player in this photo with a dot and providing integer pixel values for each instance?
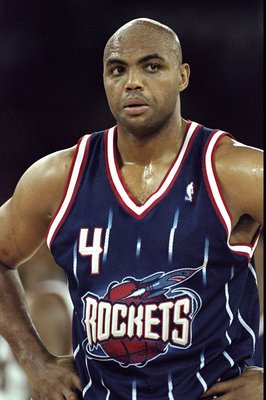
(155, 222)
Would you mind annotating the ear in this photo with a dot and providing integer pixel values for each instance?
(184, 73)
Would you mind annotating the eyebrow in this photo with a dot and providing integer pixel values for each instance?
(115, 60)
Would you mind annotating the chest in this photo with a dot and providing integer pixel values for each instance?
(122, 219)
(108, 237)
(142, 181)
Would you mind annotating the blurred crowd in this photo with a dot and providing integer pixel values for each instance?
(51, 310)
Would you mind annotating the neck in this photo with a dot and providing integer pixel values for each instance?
(161, 146)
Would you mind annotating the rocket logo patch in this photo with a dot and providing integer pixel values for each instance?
(138, 320)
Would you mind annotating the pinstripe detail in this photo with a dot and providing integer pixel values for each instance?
(86, 388)
(248, 329)
(76, 351)
(229, 358)
(229, 312)
(107, 235)
(252, 270)
(202, 381)
(134, 389)
(75, 262)
(171, 237)
(170, 388)
(108, 391)
(138, 247)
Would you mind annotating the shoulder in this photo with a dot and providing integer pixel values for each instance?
(237, 161)
(229, 148)
(239, 169)
(45, 180)
(26, 215)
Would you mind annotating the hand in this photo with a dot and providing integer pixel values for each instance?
(56, 379)
(245, 387)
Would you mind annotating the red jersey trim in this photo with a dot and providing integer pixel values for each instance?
(217, 198)
(74, 178)
(118, 186)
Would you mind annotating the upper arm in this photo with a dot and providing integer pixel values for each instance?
(25, 217)
(240, 171)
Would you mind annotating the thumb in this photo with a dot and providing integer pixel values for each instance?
(221, 388)
(77, 383)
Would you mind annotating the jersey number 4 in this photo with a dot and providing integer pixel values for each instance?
(94, 250)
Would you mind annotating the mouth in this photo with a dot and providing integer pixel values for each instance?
(135, 106)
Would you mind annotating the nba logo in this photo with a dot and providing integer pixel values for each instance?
(189, 192)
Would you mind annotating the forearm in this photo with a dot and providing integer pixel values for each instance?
(15, 322)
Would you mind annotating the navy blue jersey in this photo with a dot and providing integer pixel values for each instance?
(164, 305)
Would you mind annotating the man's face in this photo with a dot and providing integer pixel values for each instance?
(141, 79)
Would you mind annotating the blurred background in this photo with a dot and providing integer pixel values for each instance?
(51, 90)
(51, 93)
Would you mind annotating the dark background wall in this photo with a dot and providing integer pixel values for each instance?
(51, 89)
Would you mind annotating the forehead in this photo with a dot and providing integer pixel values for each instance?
(140, 41)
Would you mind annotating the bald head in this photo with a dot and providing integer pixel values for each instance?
(149, 30)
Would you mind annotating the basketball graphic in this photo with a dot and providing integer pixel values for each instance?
(137, 319)
(133, 351)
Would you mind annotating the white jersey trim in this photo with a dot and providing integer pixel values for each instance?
(139, 210)
(223, 213)
(73, 178)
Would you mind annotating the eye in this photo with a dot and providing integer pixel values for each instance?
(152, 67)
(118, 70)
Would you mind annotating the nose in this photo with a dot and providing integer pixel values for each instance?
(133, 81)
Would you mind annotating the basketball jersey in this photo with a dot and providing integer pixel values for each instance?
(164, 305)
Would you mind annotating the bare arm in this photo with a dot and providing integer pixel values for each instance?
(24, 220)
(248, 386)
(52, 319)
(240, 171)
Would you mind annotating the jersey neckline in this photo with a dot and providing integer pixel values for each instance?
(119, 187)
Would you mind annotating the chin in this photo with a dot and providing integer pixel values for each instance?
(138, 128)
(142, 131)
